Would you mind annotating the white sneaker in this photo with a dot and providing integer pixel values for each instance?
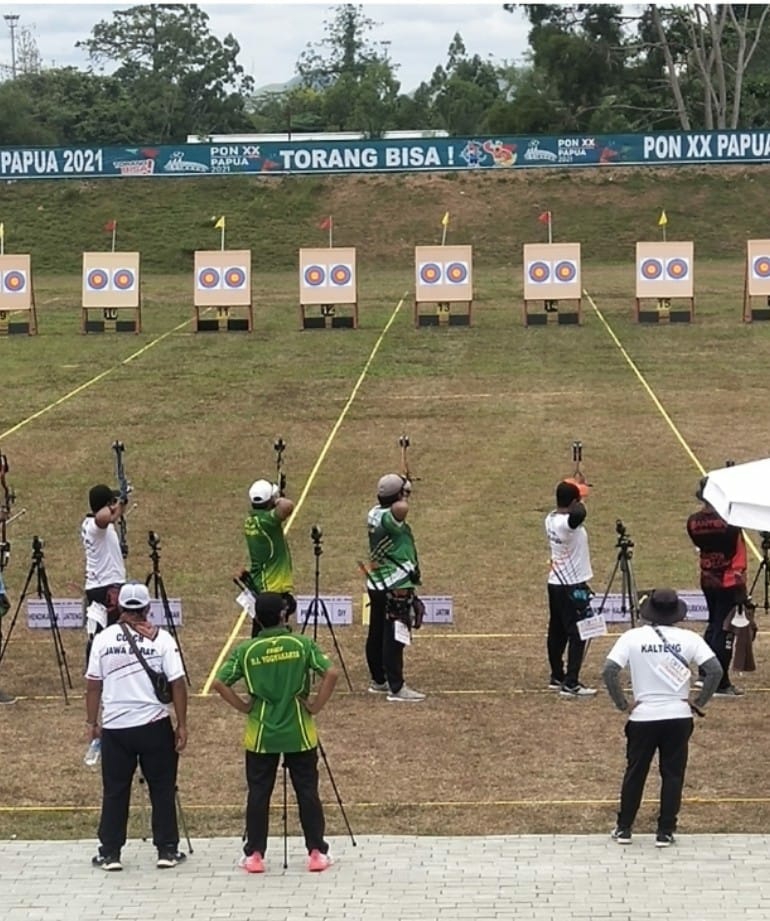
(578, 690)
(406, 693)
(376, 688)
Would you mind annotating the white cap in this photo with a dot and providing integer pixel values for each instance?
(261, 492)
(390, 485)
(134, 596)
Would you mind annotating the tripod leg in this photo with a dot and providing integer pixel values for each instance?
(19, 603)
(285, 817)
(322, 753)
(334, 641)
(182, 819)
(160, 592)
(58, 644)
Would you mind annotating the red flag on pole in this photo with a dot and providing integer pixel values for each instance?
(110, 226)
(326, 223)
(545, 217)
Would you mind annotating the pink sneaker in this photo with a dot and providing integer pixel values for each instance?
(253, 863)
(318, 862)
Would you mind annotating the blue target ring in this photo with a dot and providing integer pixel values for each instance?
(651, 269)
(340, 275)
(315, 275)
(539, 272)
(456, 273)
(565, 271)
(235, 277)
(677, 269)
(123, 279)
(208, 278)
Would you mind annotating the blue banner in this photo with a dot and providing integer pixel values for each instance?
(386, 156)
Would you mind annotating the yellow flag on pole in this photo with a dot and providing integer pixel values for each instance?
(445, 219)
(662, 220)
(220, 224)
(2, 230)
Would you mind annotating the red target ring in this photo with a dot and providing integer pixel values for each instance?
(208, 278)
(565, 271)
(651, 269)
(123, 279)
(539, 272)
(97, 279)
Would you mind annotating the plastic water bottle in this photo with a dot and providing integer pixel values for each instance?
(93, 753)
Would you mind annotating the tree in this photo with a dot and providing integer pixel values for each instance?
(179, 77)
(28, 59)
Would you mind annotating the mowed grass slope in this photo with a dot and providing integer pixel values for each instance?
(491, 411)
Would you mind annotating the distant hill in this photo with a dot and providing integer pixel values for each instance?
(271, 89)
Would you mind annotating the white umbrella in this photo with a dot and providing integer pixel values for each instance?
(741, 494)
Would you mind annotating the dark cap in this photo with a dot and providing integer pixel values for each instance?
(101, 495)
(663, 606)
(701, 486)
(566, 493)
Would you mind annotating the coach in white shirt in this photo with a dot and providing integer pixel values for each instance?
(659, 656)
(135, 725)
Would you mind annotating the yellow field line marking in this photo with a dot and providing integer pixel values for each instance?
(324, 451)
(92, 381)
(658, 405)
(427, 804)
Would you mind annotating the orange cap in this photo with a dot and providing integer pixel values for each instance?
(583, 488)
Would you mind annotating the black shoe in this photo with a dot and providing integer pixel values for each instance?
(621, 835)
(108, 862)
(169, 857)
(7, 698)
(664, 839)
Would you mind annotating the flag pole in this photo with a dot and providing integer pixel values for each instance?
(331, 231)
(550, 230)
(114, 234)
(222, 237)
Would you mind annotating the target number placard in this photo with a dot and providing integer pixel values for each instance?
(758, 256)
(443, 273)
(551, 271)
(222, 278)
(15, 282)
(110, 280)
(328, 276)
(664, 269)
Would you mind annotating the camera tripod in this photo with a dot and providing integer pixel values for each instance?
(764, 571)
(317, 603)
(629, 597)
(37, 568)
(154, 583)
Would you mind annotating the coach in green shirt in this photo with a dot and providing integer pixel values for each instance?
(276, 668)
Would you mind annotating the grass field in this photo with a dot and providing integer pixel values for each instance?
(491, 411)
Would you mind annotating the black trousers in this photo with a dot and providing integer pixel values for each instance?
(563, 634)
(719, 602)
(670, 738)
(260, 777)
(153, 746)
(384, 655)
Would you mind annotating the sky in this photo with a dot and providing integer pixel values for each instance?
(273, 35)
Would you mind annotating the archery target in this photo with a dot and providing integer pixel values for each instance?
(551, 271)
(340, 275)
(539, 272)
(443, 273)
(15, 282)
(758, 256)
(315, 275)
(110, 280)
(222, 278)
(664, 269)
(328, 276)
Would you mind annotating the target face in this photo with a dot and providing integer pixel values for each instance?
(315, 275)
(761, 267)
(124, 279)
(14, 281)
(430, 273)
(539, 272)
(208, 278)
(97, 279)
(651, 269)
(677, 269)
(235, 277)
(456, 273)
(565, 271)
(340, 275)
